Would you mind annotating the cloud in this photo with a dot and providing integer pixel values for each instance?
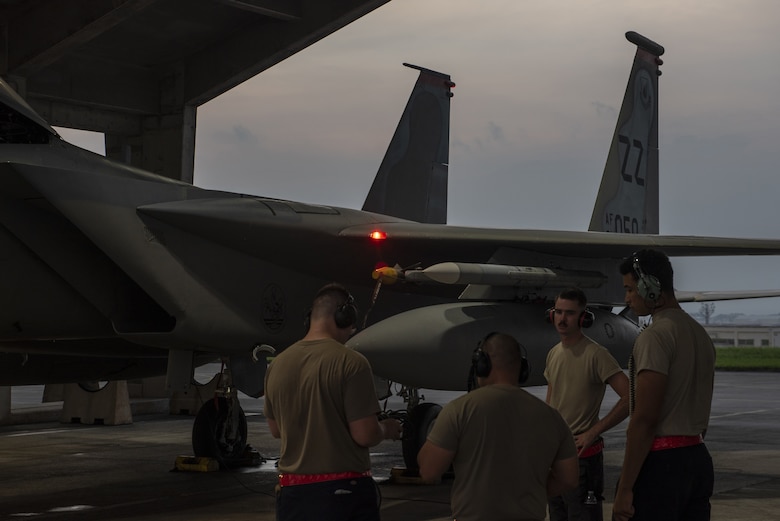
(243, 135)
(605, 111)
(495, 132)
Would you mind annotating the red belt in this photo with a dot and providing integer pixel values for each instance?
(675, 442)
(593, 449)
(286, 480)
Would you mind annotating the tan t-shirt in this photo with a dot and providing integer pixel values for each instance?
(677, 346)
(505, 441)
(313, 390)
(577, 377)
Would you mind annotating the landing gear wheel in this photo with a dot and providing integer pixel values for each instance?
(416, 428)
(220, 432)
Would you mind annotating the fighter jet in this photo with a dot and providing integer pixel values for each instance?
(111, 272)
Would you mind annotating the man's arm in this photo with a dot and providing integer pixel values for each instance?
(549, 393)
(369, 431)
(433, 461)
(618, 413)
(564, 476)
(649, 395)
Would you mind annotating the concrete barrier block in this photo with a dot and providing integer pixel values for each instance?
(108, 406)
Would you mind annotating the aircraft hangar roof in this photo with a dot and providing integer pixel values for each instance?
(98, 64)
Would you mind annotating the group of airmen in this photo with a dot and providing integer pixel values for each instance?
(514, 457)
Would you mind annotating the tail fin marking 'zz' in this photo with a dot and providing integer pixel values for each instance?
(412, 180)
(627, 200)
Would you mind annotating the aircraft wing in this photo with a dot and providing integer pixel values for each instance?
(557, 242)
(508, 264)
(710, 296)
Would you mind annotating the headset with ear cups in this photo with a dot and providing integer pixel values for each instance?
(647, 286)
(346, 314)
(481, 365)
(586, 318)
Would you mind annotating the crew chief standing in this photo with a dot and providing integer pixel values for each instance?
(509, 450)
(320, 400)
(577, 372)
(667, 470)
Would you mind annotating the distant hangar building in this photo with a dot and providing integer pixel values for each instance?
(744, 335)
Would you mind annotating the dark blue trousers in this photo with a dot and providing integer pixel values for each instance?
(675, 485)
(573, 506)
(339, 500)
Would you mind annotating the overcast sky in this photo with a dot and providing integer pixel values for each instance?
(539, 85)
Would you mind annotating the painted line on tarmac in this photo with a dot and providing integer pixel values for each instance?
(730, 415)
(36, 433)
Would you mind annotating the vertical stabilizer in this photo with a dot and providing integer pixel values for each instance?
(412, 180)
(627, 201)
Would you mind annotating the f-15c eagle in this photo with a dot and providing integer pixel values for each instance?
(110, 272)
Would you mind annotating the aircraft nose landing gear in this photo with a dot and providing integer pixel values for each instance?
(418, 424)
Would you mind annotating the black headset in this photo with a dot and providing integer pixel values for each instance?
(346, 314)
(586, 318)
(481, 365)
(647, 286)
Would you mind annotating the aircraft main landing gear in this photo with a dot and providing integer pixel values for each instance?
(220, 428)
(220, 431)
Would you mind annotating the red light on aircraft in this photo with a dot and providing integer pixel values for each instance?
(377, 235)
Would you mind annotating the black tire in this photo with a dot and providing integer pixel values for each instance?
(418, 424)
(208, 438)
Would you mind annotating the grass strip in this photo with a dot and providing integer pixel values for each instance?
(747, 359)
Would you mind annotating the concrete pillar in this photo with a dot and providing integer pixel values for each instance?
(166, 145)
(5, 404)
(189, 401)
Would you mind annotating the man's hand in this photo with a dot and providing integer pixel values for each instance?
(623, 507)
(584, 440)
(391, 429)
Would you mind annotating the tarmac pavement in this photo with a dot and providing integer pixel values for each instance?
(53, 471)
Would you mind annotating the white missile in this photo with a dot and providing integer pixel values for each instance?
(502, 275)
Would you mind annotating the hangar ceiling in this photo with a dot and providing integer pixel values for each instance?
(137, 70)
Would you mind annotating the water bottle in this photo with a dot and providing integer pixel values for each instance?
(592, 506)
